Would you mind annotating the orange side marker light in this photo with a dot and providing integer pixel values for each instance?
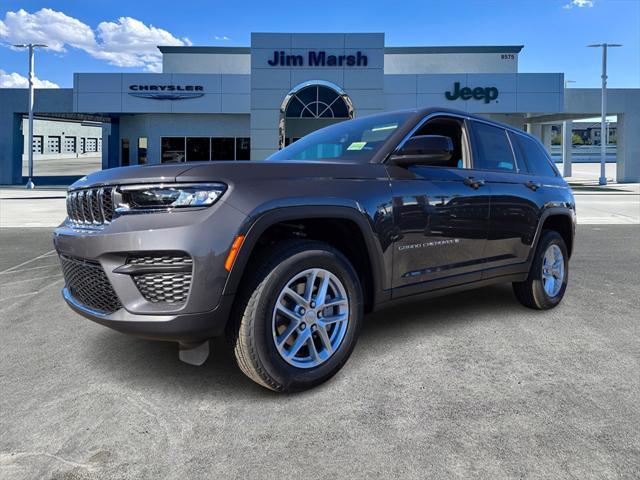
(233, 253)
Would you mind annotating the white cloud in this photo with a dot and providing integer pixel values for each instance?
(46, 26)
(125, 43)
(579, 4)
(221, 37)
(15, 80)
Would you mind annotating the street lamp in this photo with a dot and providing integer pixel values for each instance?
(31, 47)
(603, 119)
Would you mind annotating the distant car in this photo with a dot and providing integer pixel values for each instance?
(286, 255)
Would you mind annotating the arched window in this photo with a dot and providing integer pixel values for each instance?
(317, 101)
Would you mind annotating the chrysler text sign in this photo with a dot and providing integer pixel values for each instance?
(486, 94)
(317, 59)
(166, 92)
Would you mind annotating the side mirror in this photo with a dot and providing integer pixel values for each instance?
(423, 150)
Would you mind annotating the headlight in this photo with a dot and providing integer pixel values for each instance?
(154, 198)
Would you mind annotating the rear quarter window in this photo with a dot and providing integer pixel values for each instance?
(535, 158)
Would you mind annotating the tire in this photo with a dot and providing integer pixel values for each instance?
(540, 291)
(257, 329)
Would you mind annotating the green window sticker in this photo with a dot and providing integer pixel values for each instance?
(356, 146)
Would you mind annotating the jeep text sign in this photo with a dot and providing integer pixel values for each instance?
(479, 93)
(317, 59)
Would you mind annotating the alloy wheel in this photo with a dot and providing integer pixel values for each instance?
(553, 270)
(310, 318)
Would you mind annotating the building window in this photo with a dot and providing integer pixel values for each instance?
(37, 144)
(53, 144)
(83, 143)
(243, 148)
(124, 151)
(223, 148)
(92, 145)
(198, 149)
(70, 144)
(309, 106)
(194, 149)
(317, 101)
(142, 150)
(172, 149)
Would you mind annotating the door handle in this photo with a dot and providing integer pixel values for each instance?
(533, 185)
(474, 183)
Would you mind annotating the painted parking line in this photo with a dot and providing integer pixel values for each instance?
(22, 270)
(13, 282)
(12, 269)
(28, 294)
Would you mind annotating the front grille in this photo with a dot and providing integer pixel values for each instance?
(164, 287)
(168, 258)
(89, 285)
(90, 206)
(170, 286)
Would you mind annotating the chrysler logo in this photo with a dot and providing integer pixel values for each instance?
(166, 92)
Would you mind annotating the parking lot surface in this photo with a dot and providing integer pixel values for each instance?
(469, 386)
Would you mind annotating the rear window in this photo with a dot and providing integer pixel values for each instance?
(492, 148)
(535, 157)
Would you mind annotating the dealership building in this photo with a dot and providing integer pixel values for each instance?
(244, 103)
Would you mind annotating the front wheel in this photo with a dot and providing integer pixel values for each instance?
(298, 316)
(547, 281)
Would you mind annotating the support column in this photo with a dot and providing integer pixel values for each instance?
(547, 134)
(106, 134)
(535, 129)
(628, 148)
(11, 148)
(114, 144)
(567, 134)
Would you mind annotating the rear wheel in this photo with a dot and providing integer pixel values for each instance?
(298, 316)
(547, 281)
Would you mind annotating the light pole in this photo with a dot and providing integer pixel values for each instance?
(31, 47)
(603, 119)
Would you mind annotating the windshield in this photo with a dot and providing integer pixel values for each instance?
(353, 140)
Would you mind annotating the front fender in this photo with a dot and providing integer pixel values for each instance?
(291, 209)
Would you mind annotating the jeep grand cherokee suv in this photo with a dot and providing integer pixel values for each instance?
(285, 255)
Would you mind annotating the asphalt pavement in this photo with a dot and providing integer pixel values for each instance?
(471, 385)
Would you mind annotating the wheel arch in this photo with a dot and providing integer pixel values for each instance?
(351, 217)
(561, 220)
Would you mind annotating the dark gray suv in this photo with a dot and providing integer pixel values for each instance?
(286, 255)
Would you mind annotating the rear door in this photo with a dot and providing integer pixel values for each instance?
(515, 198)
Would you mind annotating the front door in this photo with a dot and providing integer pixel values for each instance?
(441, 216)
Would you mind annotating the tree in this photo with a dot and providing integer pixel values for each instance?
(576, 139)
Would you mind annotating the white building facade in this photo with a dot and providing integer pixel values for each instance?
(244, 103)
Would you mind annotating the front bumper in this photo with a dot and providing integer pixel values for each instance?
(205, 236)
(186, 327)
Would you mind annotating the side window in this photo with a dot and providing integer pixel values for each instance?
(535, 158)
(452, 128)
(492, 148)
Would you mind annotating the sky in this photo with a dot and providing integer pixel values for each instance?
(121, 36)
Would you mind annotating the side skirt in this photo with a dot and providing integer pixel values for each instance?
(438, 292)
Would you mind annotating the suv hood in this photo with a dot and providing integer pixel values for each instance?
(138, 174)
(230, 172)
